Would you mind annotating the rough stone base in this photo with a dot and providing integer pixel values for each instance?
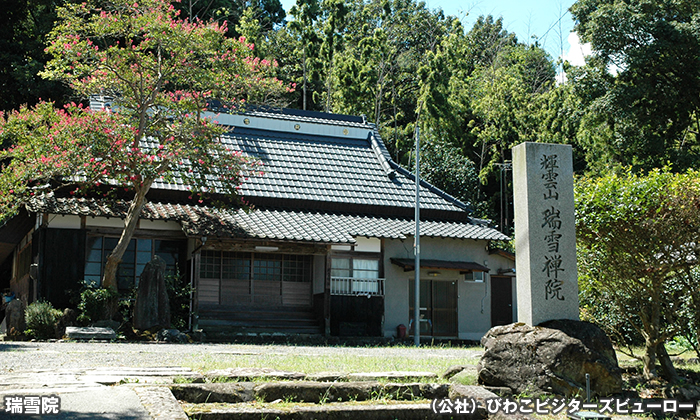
(90, 333)
(552, 358)
(160, 403)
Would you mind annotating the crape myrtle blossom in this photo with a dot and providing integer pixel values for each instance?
(161, 72)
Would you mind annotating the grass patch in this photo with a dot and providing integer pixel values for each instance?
(466, 377)
(343, 360)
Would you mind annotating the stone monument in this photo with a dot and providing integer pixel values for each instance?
(152, 308)
(545, 235)
(549, 350)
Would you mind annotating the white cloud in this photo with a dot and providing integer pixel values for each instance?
(576, 54)
(577, 51)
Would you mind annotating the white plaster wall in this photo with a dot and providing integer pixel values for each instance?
(474, 299)
(104, 222)
(290, 126)
(58, 221)
(368, 244)
(192, 245)
(159, 225)
(64, 222)
(341, 247)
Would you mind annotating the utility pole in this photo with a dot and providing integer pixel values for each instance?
(416, 245)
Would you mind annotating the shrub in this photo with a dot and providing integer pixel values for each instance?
(97, 304)
(179, 289)
(41, 318)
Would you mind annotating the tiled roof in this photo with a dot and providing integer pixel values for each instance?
(328, 169)
(271, 224)
(344, 162)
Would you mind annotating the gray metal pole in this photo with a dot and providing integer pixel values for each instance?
(416, 245)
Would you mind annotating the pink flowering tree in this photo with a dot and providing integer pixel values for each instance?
(161, 74)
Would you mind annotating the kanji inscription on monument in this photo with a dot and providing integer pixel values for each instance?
(545, 235)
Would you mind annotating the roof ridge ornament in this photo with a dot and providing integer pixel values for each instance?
(377, 149)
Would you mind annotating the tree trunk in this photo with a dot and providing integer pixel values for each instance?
(649, 359)
(652, 339)
(304, 67)
(109, 280)
(328, 90)
(668, 371)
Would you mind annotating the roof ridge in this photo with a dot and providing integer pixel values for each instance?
(293, 112)
(386, 161)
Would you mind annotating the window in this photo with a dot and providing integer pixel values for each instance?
(364, 273)
(297, 268)
(340, 267)
(246, 266)
(138, 253)
(236, 265)
(267, 267)
(359, 268)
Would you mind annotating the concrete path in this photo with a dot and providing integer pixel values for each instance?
(109, 393)
(124, 380)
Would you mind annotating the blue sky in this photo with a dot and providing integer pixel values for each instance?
(549, 20)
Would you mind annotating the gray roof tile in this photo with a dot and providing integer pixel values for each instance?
(270, 223)
(325, 169)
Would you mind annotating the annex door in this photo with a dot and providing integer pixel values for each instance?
(501, 300)
(438, 308)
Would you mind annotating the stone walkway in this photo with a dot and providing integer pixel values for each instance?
(22, 356)
(109, 393)
(127, 380)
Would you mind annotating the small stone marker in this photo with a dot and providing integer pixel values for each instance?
(545, 235)
(90, 333)
(14, 315)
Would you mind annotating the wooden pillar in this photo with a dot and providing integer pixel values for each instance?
(327, 295)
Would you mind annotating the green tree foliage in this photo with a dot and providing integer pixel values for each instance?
(446, 168)
(483, 90)
(307, 42)
(483, 93)
(687, 315)
(637, 236)
(161, 72)
(333, 38)
(269, 13)
(387, 42)
(642, 89)
(24, 25)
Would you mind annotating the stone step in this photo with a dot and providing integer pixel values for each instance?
(301, 400)
(228, 330)
(90, 333)
(261, 337)
(257, 314)
(306, 392)
(332, 411)
(259, 323)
